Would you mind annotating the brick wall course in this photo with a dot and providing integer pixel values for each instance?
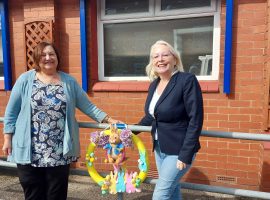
(240, 111)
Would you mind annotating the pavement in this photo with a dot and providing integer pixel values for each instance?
(83, 188)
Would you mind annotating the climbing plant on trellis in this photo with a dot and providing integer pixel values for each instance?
(36, 32)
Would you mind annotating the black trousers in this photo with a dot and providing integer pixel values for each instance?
(44, 183)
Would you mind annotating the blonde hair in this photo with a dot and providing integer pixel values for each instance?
(149, 68)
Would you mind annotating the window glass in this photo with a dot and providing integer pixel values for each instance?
(127, 45)
(116, 7)
(176, 4)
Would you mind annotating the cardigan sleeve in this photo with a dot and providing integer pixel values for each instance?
(86, 106)
(13, 107)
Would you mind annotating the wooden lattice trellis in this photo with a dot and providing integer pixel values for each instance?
(36, 32)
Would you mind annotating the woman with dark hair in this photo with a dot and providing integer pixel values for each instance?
(41, 133)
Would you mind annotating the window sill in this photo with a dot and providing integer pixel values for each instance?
(209, 86)
(142, 86)
(121, 86)
(2, 85)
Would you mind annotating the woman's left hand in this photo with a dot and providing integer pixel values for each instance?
(114, 121)
(180, 165)
(110, 120)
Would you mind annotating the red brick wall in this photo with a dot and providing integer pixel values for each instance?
(227, 162)
(68, 36)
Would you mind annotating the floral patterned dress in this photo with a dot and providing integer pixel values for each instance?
(48, 103)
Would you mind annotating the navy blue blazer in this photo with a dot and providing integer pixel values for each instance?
(178, 116)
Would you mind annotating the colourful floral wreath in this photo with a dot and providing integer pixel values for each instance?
(120, 180)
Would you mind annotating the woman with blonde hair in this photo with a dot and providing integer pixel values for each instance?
(174, 109)
(178, 63)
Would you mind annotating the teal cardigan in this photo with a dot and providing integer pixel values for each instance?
(17, 120)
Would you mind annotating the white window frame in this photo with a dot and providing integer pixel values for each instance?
(150, 12)
(205, 9)
(214, 11)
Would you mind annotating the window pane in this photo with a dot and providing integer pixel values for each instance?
(127, 45)
(1, 56)
(176, 4)
(113, 7)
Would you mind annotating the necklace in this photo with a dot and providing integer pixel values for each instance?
(48, 79)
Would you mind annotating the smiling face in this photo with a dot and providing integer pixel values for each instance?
(163, 60)
(48, 60)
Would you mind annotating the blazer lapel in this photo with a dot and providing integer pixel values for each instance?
(167, 90)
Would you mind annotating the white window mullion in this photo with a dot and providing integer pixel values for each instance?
(100, 38)
(216, 45)
(152, 7)
(100, 52)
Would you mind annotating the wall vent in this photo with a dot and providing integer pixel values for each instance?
(226, 179)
